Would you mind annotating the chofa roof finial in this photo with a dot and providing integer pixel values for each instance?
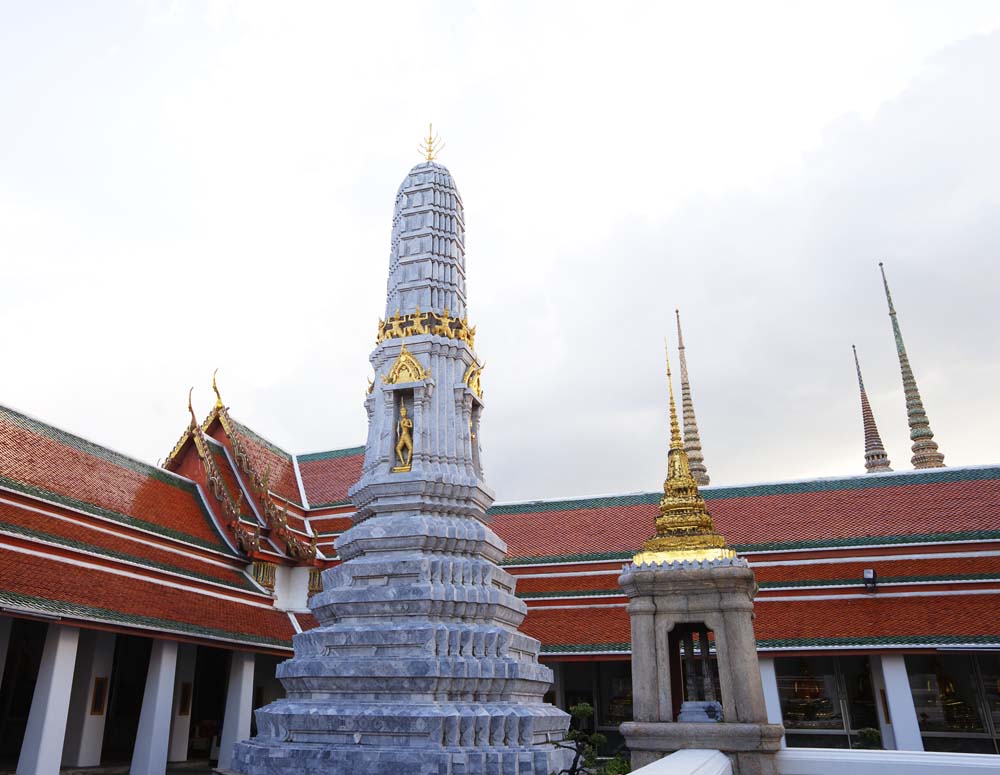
(215, 387)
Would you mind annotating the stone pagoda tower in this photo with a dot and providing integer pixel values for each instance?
(417, 666)
(687, 587)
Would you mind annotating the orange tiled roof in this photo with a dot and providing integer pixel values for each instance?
(45, 462)
(84, 588)
(327, 476)
(852, 510)
(267, 456)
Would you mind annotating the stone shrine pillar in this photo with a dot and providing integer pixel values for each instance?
(687, 582)
(417, 666)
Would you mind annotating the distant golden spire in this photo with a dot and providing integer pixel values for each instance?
(431, 145)
(684, 529)
(215, 387)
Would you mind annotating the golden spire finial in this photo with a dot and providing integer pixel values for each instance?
(215, 387)
(194, 420)
(675, 427)
(684, 529)
(431, 145)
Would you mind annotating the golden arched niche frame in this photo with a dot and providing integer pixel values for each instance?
(406, 368)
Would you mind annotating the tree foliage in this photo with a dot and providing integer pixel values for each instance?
(586, 745)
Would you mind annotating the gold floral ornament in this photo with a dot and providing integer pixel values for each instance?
(472, 378)
(406, 368)
(684, 529)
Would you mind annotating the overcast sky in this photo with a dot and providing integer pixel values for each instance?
(185, 186)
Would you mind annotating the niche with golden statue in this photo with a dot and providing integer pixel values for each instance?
(403, 447)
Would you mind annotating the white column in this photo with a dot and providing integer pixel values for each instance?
(180, 725)
(902, 713)
(772, 701)
(881, 704)
(239, 701)
(85, 727)
(153, 735)
(559, 684)
(5, 623)
(41, 750)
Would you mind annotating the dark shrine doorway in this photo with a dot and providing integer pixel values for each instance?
(208, 703)
(128, 684)
(24, 655)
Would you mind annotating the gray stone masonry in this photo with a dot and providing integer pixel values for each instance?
(718, 594)
(417, 666)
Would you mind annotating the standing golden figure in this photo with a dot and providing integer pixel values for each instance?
(404, 434)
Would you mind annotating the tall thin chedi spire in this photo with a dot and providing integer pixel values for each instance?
(875, 457)
(692, 441)
(925, 449)
(417, 665)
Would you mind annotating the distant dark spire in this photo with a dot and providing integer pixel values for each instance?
(925, 449)
(875, 457)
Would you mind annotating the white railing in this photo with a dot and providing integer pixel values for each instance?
(690, 762)
(827, 761)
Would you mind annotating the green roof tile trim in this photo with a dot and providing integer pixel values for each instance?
(330, 454)
(579, 504)
(90, 448)
(860, 482)
(243, 584)
(873, 540)
(77, 611)
(592, 648)
(880, 640)
(557, 558)
(330, 506)
(834, 543)
(856, 582)
(125, 519)
(260, 439)
(800, 643)
(617, 592)
(794, 584)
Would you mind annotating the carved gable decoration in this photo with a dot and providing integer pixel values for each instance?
(406, 368)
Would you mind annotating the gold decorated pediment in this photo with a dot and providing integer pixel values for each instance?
(472, 378)
(406, 368)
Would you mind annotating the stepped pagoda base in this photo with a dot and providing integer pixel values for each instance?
(259, 757)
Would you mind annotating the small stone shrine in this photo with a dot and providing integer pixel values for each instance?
(417, 667)
(687, 586)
